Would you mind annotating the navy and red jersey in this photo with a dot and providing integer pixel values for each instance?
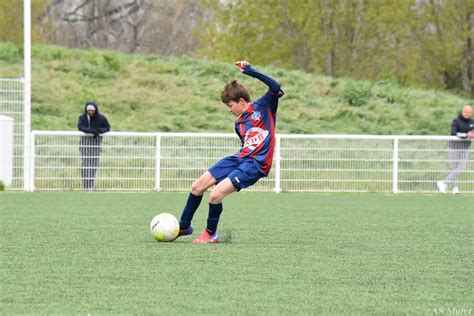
(256, 126)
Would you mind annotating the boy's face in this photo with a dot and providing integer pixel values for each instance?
(237, 108)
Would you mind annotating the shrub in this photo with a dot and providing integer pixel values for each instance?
(357, 93)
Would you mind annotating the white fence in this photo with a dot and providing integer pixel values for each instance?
(12, 105)
(171, 161)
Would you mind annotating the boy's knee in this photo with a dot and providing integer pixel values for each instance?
(197, 188)
(215, 197)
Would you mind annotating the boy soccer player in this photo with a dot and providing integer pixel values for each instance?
(255, 126)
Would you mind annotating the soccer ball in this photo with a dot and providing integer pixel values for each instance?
(164, 227)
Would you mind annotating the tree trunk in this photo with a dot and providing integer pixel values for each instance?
(328, 27)
(467, 67)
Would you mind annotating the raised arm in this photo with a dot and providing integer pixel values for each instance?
(244, 67)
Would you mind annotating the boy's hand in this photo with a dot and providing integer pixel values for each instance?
(241, 65)
(470, 134)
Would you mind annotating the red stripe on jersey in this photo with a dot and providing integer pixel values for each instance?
(260, 124)
(244, 151)
(267, 164)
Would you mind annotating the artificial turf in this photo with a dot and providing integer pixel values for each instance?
(289, 253)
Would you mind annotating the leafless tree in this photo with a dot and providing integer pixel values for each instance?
(158, 26)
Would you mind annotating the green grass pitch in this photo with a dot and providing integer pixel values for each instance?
(80, 253)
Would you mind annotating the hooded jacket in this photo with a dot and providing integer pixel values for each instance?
(96, 124)
(460, 127)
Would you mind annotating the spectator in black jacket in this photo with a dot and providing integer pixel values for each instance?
(458, 151)
(94, 124)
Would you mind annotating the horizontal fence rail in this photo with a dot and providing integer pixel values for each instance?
(172, 161)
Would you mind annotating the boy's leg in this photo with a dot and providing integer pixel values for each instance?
(244, 176)
(197, 190)
(217, 173)
(223, 189)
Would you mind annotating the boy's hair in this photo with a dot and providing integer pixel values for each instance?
(233, 91)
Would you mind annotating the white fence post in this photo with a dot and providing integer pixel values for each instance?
(277, 159)
(158, 163)
(32, 153)
(27, 93)
(395, 166)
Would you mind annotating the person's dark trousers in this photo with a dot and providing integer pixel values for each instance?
(90, 152)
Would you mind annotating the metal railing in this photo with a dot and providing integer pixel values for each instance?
(171, 161)
(12, 105)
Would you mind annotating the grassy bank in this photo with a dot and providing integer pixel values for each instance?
(156, 93)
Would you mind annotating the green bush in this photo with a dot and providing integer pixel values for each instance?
(111, 63)
(2, 186)
(357, 93)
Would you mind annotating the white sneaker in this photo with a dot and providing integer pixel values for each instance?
(455, 190)
(441, 186)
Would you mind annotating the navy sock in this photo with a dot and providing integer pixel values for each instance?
(215, 211)
(191, 206)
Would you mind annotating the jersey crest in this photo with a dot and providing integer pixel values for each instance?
(256, 116)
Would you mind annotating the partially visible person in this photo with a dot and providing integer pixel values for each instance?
(93, 123)
(458, 151)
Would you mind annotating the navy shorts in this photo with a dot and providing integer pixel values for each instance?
(242, 172)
